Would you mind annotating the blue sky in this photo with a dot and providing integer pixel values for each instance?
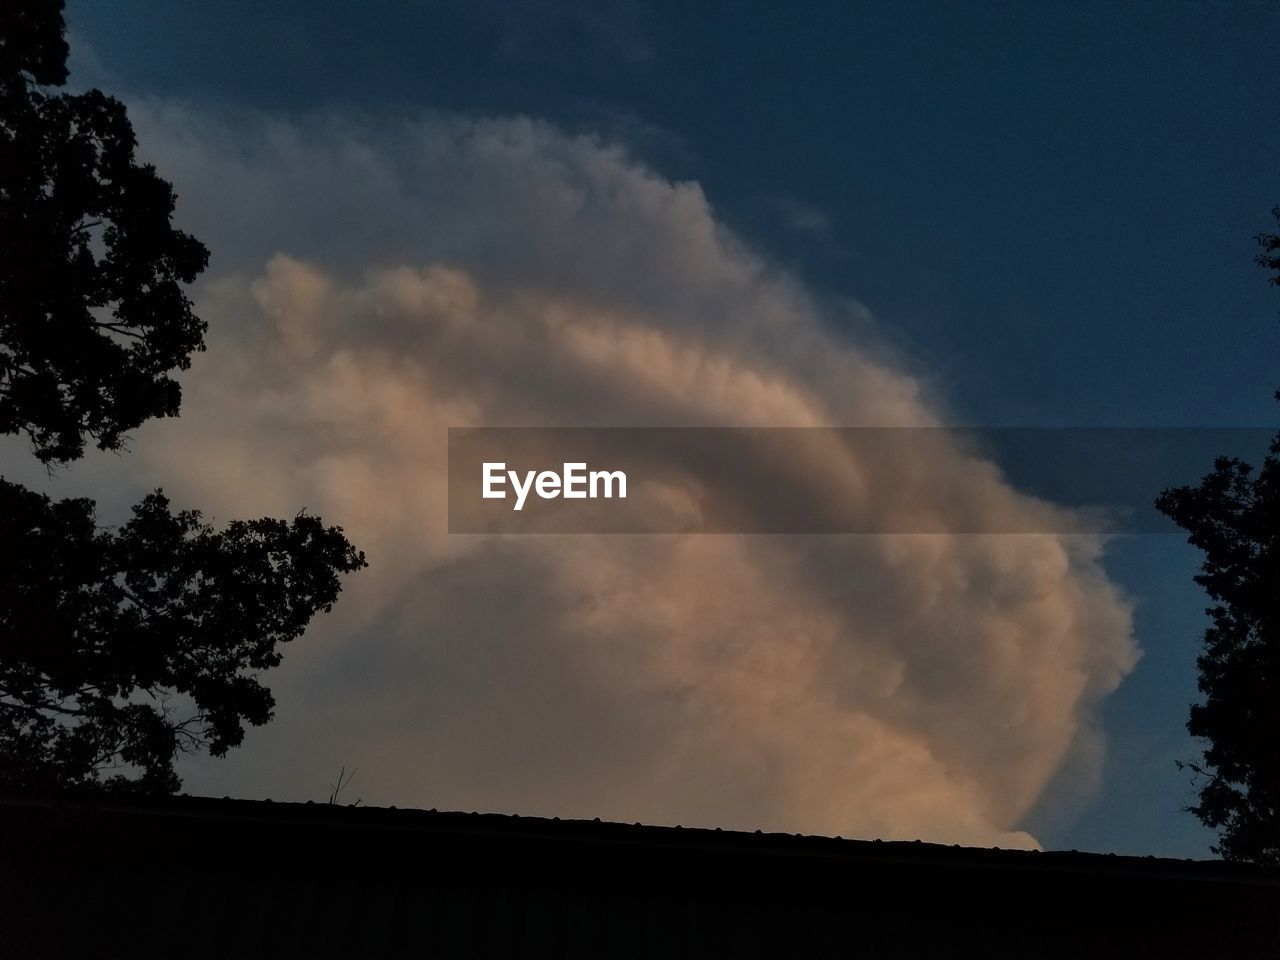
(1062, 193)
(1047, 207)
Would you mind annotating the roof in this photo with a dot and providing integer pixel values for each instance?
(254, 878)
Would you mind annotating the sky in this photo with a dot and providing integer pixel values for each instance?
(425, 215)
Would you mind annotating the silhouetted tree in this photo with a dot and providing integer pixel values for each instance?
(1269, 258)
(93, 317)
(126, 646)
(117, 649)
(1233, 515)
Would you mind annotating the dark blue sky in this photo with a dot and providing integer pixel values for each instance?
(1052, 202)
(1049, 206)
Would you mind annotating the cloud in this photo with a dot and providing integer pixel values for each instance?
(374, 285)
(801, 215)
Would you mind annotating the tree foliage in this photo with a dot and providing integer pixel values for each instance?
(1269, 257)
(1233, 515)
(93, 315)
(118, 649)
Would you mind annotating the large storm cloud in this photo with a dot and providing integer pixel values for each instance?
(375, 283)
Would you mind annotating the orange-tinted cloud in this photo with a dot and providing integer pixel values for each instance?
(381, 285)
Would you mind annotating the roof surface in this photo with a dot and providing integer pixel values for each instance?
(203, 877)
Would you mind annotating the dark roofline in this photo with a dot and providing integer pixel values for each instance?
(372, 827)
(200, 877)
